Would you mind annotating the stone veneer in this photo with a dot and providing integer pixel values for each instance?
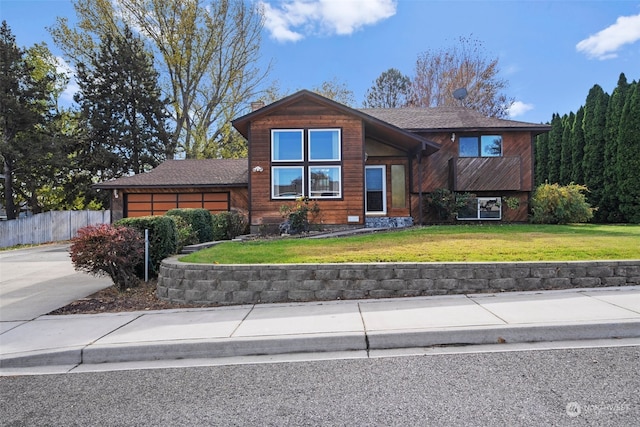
(256, 283)
(388, 222)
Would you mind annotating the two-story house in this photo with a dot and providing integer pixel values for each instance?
(366, 167)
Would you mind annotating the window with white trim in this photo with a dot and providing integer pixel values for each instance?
(287, 145)
(306, 163)
(482, 208)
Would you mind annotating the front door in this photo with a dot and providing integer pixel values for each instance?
(376, 189)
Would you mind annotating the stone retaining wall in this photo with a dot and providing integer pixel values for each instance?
(247, 284)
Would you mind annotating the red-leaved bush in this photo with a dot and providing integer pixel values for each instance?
(111, 250)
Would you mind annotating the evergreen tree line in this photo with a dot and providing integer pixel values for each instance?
(598, 147)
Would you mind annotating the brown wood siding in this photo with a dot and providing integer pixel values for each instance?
(305, 115)
(487, 174)
(437, 169)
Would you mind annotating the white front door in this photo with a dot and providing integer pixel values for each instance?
(375, 190)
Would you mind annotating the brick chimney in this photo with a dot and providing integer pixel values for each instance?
(256, 105)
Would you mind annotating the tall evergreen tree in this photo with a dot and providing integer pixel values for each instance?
(628, 156)
(541, 173)
(121, 103)
(555, 149)
(391, 90)
(565, 150)
(610, 205)
(595, 110)
(24, 104)
(577, 148)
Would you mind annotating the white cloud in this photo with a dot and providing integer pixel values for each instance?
(295, 19)
(72, 87)
(518, 108)
(605, 43)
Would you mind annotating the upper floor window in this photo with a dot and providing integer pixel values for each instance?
(480, 146)
(287, 145)
(324, 144)
(306, 163)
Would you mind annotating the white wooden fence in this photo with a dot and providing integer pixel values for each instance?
(52, 226)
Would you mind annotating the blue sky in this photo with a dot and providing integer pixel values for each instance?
(551, 51)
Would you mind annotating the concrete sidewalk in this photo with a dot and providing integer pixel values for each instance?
(356, 325)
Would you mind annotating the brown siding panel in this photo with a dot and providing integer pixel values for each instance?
(488, 174)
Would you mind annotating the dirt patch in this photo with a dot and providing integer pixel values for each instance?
(110, 300)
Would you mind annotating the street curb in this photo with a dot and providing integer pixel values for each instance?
(224, 347)
(319, 343)
(499, 334)
(32, 359)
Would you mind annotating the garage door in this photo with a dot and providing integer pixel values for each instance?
(144, 204)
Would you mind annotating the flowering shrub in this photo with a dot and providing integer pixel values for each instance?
(111, 250)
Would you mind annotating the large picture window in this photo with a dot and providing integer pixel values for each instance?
(482, 208)
(324, 144)
(480, 146)
(306, 163)
(287, 182)
(286, 145)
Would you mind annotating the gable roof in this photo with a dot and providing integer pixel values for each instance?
(187, 173)
(374, 126)
(446, 119)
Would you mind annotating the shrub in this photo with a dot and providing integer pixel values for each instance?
(557, 204)
(229, 225)
(112, 250)
(200, 221)
(163, 240)
(297, 217)
(185, 234)
(446, 204)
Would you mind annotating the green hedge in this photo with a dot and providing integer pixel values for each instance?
(163, 239)
(200, 221)
(229, 225)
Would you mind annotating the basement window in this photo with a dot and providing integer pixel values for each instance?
(482, 208)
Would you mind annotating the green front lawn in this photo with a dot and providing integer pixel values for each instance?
(440, 244)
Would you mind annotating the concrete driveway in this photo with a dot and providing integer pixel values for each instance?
(38, 280)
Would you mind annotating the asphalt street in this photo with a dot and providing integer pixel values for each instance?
(598, 386)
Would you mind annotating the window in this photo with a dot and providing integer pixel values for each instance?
(286, 145)
(482, 208)
(482, 146)
(312, 158)
(398, 190)
(287, 182)
(375, 186)
(324, 182)
(324, 144)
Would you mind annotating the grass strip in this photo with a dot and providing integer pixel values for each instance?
(467, 243)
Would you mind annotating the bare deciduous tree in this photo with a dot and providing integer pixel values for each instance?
(465, 65)
(336, 90)
(206, 51)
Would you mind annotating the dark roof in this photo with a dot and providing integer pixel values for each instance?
(188, 173)
(374, 126)
(440, 119)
